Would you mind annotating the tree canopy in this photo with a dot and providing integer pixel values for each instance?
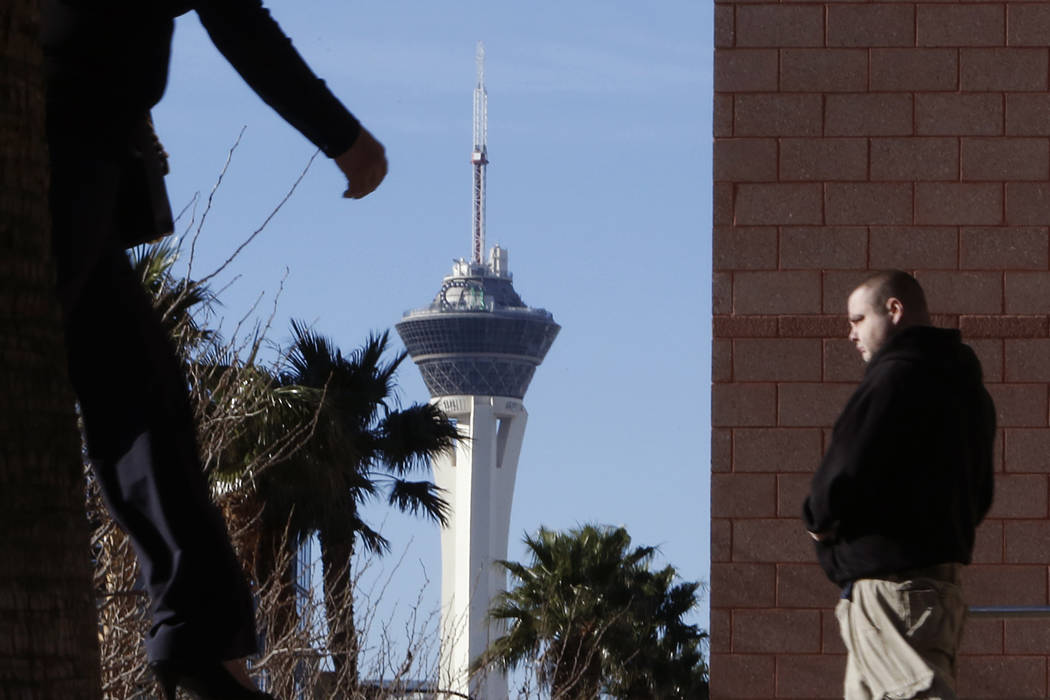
(591, 617)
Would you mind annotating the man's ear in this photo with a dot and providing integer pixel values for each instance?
(895, 309)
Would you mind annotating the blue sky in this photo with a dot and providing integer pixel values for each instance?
(599, 186)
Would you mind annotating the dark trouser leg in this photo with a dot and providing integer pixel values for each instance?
(140, 431)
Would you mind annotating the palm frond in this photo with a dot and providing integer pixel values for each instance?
(313, 356)
(419, 498)
(152, 262)
(372, 540)
(411, 437)
(177, 300)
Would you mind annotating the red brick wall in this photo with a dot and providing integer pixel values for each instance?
(850, 136)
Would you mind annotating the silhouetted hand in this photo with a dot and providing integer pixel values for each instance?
(364, 165)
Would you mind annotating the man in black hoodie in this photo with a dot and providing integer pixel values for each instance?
(894, 505)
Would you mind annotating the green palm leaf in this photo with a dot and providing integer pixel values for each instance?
(590, 616)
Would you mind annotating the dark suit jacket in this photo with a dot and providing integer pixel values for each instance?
(106, 65)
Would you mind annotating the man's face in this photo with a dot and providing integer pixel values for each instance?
(869, 327)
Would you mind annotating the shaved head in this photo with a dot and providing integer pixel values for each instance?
(897, 284)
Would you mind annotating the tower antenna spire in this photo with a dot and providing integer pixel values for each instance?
(479, 158)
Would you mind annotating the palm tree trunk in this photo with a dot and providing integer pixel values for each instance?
(336, 552)
(275, 576)
(577, 669)
(47, 611)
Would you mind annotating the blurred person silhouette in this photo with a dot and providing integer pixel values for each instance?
(905, 481)
(106, 64)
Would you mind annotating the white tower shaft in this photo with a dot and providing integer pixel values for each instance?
(478, 480)
(479, 158)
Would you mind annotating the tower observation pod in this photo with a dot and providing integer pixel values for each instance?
(477, 346)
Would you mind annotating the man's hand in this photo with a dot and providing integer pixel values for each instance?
(819, 536)
(364, 165)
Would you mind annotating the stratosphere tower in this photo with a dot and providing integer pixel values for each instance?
(477, 345)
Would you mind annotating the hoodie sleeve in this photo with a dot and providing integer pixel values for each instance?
(254, 44)
(872, 426)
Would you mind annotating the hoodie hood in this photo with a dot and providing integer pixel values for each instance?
(937, 350)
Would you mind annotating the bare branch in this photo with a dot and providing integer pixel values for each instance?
(259, 230)
(211, 197)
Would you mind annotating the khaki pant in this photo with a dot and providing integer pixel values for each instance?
(902, 634)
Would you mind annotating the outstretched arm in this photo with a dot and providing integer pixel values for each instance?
(262, 54)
